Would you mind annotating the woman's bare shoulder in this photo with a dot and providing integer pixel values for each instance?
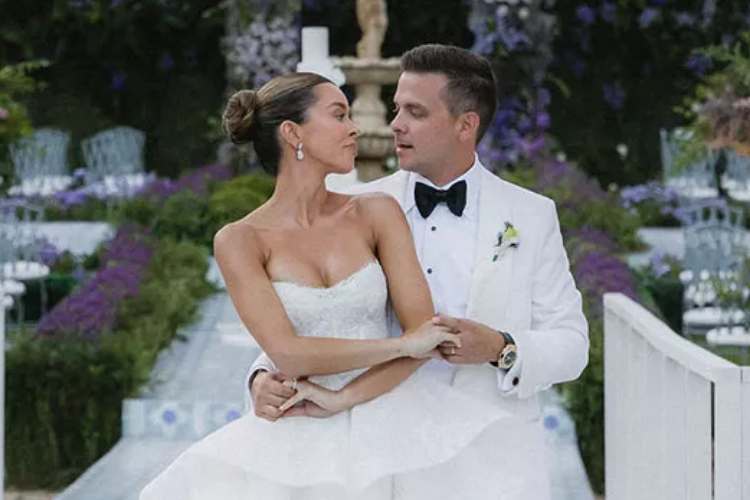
(243, 235)
(378, 205)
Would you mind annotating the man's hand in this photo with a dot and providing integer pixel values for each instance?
(479, 343)
(269, 393)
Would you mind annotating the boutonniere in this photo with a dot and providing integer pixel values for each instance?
(508, 238)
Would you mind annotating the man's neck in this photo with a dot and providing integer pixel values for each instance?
(446, 176)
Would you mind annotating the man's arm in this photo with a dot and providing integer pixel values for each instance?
(261, 364)
(555, 349)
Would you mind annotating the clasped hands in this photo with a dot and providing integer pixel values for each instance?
(458, 341)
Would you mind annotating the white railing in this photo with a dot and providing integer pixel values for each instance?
(677, 417)
(2, 394)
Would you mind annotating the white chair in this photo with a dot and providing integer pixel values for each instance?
(39, 163)
(714, 252)
(693, 181)
(736, 179)
(114, 162)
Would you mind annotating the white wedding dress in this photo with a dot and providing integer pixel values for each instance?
(368, 452)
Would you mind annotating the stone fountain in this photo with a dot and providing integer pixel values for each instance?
(368, 72)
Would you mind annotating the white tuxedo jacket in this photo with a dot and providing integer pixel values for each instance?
(528, 292)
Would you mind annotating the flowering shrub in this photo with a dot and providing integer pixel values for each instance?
(91, 311)
(153, 65)
(655, 204)
(53, 434)
(266, 48)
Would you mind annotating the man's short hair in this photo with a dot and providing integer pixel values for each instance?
(471, 83)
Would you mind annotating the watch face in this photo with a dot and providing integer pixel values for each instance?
(509, 358)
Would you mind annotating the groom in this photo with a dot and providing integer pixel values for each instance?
(493, 256)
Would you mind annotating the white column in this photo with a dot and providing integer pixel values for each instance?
(315, 55)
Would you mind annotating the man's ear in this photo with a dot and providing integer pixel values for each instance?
(291, 133)
(467, 125)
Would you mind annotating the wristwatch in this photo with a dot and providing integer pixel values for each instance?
(507, 356)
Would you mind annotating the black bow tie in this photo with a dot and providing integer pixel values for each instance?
(427, 197)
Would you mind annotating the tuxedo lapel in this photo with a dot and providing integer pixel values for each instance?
(491, 279)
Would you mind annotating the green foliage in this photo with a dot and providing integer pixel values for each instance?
(15, 82)
(666, 291)
(648, 62)
(53, 433)
(236, 198)
(57, 286)
(156, 66)
(608, 216)
(712, 109)
(183, 216)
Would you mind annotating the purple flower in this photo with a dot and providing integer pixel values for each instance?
(118, 81)
(658, 265)
(684, 19)
(543, 120)
(512, 38)
(71, 198)
(166, 62)
(699, 64)
(592, 239)
(3, 113)
(608, 11)
(597, 273)
(91, 310)
(577, 66)
(648, 17)
(48, 253)
(586, 14)
(614, 95)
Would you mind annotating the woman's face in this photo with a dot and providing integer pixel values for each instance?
(329, 136)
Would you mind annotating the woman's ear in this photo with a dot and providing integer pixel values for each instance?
(291, 133)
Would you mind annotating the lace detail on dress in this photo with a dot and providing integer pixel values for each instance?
(353, 308)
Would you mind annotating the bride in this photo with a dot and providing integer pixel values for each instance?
(310, 273)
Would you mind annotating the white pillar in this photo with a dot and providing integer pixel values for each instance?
(315, 55)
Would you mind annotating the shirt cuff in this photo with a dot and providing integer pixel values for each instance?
(509, 380)
(249, 383)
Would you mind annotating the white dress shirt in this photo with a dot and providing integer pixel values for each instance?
(446, 245)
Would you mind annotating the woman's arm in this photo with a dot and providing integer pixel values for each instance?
(408, 290)
(240, 258)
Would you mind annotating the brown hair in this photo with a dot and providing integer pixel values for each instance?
(471, 83)
(255, 116)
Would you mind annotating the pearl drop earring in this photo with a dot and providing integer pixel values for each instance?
(300, 153)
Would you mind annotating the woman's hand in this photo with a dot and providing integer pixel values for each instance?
(325, 401)
(422, 342)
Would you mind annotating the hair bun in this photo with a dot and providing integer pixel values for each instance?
(237, 119)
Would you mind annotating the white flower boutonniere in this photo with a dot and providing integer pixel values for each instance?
(509, 238)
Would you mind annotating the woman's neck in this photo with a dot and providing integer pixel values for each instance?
(300, 193)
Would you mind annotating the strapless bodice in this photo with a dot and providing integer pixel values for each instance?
(354, 308)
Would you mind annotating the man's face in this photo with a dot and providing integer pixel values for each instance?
(424, 130)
